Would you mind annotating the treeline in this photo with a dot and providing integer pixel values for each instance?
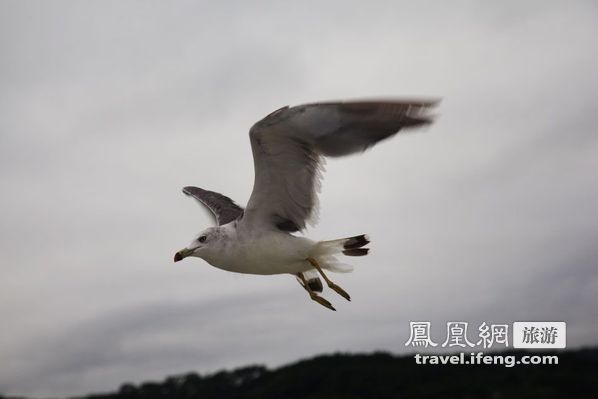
(381, 375)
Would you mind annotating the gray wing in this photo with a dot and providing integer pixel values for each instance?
(288, 146)
(224, 209)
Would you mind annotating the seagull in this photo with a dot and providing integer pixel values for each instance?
(289, 146)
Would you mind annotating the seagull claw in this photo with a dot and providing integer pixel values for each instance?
(330, 284)
(340, 291)
(313, 295)
(322, 301)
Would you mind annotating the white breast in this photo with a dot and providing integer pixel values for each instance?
(266, 253)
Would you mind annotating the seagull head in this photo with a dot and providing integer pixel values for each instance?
(199, 245)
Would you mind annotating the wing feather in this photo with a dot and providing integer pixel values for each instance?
(224, 209)
(290, 144)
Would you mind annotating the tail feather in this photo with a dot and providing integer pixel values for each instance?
(324, 252)
(356, 242)
(356, 252)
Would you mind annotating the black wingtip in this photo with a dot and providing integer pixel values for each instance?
(192, 190)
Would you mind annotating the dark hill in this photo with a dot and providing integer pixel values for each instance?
(382, 375)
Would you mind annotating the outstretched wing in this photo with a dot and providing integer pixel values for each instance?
(224, 209)
(288, 146)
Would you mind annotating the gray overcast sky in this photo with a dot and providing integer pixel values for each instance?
(108, 108)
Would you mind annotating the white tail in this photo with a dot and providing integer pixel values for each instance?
(324, 252)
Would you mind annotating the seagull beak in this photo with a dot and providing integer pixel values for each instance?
(182, 254)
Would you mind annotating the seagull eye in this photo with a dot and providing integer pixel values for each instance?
(202, 239)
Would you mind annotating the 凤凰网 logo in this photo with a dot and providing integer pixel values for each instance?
(527, 335)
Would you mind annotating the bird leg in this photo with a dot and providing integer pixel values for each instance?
(313, 295)
(335, 287)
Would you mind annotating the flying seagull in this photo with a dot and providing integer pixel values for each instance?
(288, 149)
